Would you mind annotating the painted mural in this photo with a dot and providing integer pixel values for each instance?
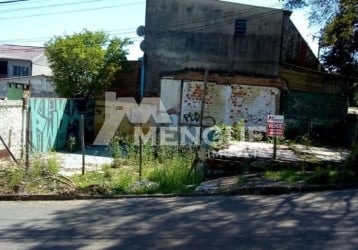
(55, 120)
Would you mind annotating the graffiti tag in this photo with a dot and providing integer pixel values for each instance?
(192, 117)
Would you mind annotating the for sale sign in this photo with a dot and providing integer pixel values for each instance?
(275, 125)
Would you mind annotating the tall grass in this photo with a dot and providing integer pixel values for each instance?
(168, 166)
(172, 170)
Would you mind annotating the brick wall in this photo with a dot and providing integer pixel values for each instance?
(11, 119)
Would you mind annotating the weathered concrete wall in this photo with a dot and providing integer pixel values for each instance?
(200, 34)
(11, 119)
(295, 49)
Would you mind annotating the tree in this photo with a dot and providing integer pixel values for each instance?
(339, 34)
(340, 38)
(84, 64)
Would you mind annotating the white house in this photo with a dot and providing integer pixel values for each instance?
(23, 67)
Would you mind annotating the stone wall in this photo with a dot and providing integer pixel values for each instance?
(11, 120)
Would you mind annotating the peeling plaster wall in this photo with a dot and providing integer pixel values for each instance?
(223, 103)
(11, 119)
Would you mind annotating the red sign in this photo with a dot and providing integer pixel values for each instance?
(275, 125)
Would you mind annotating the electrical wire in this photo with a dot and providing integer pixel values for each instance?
(200, 26)
(169, 25)
(159, 35)
(13, 1)
(51, 6)
(72, 11)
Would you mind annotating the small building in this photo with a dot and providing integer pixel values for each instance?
(17, 61)
(38, 86)
(24, 68)
(256, 60)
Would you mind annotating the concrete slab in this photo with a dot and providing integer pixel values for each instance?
(294, 153)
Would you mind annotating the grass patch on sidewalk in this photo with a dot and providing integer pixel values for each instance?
(322, 175)
(164, 170)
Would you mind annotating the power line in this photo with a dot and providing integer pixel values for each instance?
(13, 1)
(44, 38)
(199, 25)
(72, 11)
(51, 6)
(163, 26)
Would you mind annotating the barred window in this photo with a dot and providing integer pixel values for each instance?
(240, 27)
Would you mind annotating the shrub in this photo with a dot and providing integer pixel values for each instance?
(238, 130)
(351, 162)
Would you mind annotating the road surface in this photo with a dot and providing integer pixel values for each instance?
(326, 220)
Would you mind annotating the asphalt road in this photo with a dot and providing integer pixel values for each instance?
(326, 220)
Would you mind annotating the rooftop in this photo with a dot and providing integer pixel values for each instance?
(20, 52)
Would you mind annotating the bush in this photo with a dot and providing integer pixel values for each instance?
(174, 173)
(238, 130)
(351, 162)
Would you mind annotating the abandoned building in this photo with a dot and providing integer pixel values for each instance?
(251, 61)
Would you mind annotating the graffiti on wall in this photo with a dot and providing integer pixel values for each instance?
(228, 104)
(253, 104)
(55, 120)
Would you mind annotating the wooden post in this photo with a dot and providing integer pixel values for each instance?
(9, 141)
(23, 129)
(203, 105)
(274, 147)
(8, 150)
(140, 157)
(27, 139)
(83, 146)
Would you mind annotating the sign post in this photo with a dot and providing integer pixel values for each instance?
(274, 128)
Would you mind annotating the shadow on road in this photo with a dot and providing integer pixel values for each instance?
(315, 221)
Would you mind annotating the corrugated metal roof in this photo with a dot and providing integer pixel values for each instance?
(19, 52)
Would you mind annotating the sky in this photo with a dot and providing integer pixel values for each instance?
(33, 22)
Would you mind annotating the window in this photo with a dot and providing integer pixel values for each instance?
(21, 71)
(3, 68)
(240, 27)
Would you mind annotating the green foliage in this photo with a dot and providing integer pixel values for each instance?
(238, 130)
(321, 175)
(222, 136)
(320, 11)
(43, 167)
(304, 139)
(37, 179)
(173, 174)
(351, 162)
(339, 35)
(287, 175)
(71, 143)
(84, 64)
(169, 167)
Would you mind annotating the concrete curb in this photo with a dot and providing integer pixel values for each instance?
(263, 190)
